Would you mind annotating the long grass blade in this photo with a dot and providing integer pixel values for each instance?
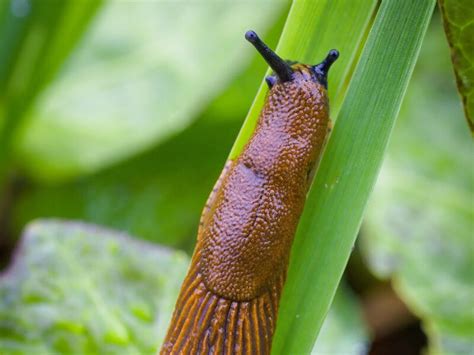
(348, 171)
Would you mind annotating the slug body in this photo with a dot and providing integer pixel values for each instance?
(229, 299)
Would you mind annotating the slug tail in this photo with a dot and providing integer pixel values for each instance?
(205, 323)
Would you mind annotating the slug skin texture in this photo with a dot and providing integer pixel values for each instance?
(228, 302)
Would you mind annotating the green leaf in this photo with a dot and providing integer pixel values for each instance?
(349, 168)
(77, 288)
(344, 330)
(458, 18)
(52, 302)
(419, 221)
(158, 195)
(144, 71)
(35, 38)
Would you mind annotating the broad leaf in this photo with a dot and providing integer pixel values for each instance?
(76, 288)
(158, 195)
(36, 36)
(144, 71)
(458, 18)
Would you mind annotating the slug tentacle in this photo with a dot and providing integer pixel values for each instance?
(321, 70)
(281, 68)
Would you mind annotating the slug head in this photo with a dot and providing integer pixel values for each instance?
(284, 71)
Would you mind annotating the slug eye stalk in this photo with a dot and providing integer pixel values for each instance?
(321, 70)
(283, 69)
(279, 66)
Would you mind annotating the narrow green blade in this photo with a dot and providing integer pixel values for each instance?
(348, 171)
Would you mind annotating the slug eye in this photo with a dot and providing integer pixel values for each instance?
(271, 80)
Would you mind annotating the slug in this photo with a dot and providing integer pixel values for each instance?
(229, 299)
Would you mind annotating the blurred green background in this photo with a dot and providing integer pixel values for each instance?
(122, 114)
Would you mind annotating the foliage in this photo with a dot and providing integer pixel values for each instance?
(130, 130)
(458, 15)
(83, 115)
(76, 288)
(150, 195)
(32, 49)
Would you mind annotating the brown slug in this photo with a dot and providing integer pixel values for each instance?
(229, 299)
